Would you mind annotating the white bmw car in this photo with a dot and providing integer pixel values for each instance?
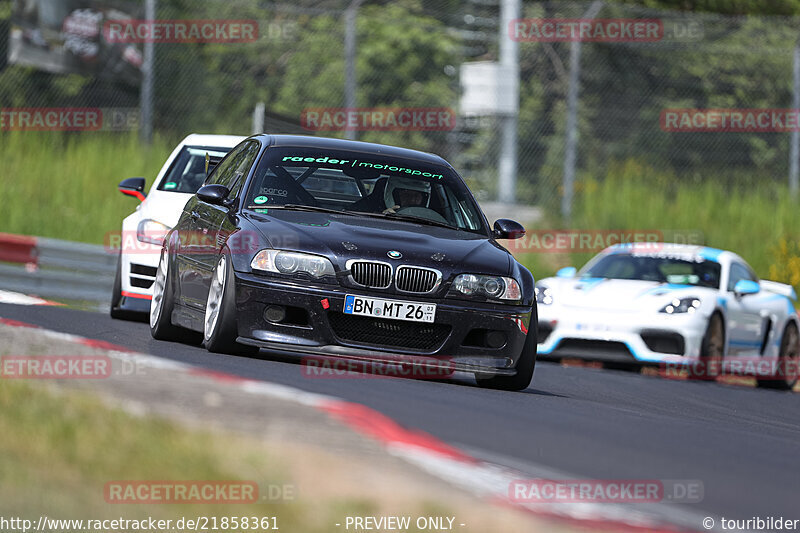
(143, 230)
(679, 306)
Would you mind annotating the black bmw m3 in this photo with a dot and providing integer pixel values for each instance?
(347, 249)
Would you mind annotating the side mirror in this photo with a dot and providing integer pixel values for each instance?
(567, 272)
(213, 194)
(133, 187)
(507, 229)
(746, 286)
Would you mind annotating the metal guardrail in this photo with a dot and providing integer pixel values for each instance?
(57, 269)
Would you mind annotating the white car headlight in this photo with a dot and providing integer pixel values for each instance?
(544, 295)
(681, 305)
(495, 287)
(151, 231)
(283, 262)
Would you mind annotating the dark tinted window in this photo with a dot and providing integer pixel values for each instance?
(673, 269)
(232, 170)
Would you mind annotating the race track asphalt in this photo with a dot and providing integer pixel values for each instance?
(742, 443)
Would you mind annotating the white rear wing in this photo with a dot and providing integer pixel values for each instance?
(779, 288)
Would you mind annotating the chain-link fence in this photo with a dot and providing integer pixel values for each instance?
(629, 91)
(408, 55)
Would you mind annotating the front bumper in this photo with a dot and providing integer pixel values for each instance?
(314, 329)
(135, 303)
(620, 336)
(139, 261)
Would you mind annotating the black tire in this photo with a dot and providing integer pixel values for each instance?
(525, 366)
(163, 303)
(116, 293)
(788, 360)
(711, 351)
(220, 336)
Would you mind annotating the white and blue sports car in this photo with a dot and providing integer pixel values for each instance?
(675, 305)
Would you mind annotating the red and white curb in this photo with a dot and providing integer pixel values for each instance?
(17, 298)
(483, 479)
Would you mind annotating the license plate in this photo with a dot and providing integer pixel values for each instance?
(393, 309)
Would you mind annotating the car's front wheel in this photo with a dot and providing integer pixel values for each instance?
(785, 376)
(525, 366)
(709, 365)
(219, 324)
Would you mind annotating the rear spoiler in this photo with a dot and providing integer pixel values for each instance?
(779, 288)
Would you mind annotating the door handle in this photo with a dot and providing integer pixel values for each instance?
(194, 215)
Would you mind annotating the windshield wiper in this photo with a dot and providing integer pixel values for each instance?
(421, 220)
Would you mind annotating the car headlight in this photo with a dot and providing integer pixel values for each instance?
(495, 287)
(151, 231)
(544, 295)
(681, 305)
(283, 262)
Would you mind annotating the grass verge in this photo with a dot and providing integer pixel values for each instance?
(60, 448)
(64, 185)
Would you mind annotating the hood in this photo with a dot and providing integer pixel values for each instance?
(603, 294)
(163, 206)
(343, 237)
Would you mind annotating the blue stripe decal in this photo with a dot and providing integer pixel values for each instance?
(752, 344)
(666, 288)
(587, 284)
(710, 254)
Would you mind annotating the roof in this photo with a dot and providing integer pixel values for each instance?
(222, 141)
(327, 143)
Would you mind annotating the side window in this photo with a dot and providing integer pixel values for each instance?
(242, 167)
(222, 172)
(739, 272)
(231, 170)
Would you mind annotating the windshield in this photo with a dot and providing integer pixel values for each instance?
(188, 171)
(683, 270)
(352, 182)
